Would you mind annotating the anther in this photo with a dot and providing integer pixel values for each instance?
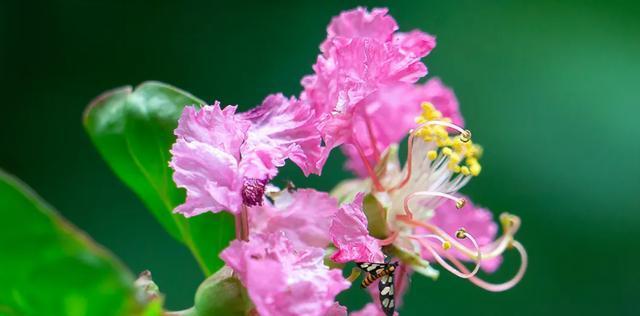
(460, 203)
(461, 233)
(446, 245)
(465, 136)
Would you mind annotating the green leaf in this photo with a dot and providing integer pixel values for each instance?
(133, 130)
(51, 268)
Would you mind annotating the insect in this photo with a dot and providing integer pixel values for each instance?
(384, 272)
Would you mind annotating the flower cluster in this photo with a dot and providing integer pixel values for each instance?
(364, 98)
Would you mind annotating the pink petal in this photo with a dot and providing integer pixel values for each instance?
(443, 98)
(225, 159)
(210, 176)
(282, 279)
(391, 113)
(477, 221)
(361, 57)
(281, 129)
(303, 216)
(350, 235)
(337, 310)
(211, 125)
(359, 23)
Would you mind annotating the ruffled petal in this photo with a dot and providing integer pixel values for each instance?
(282, 279)
(205, 159)
(281, 129)
(303, 215)
(219, 128)
(361, 56)
(350, 235)
(337, 310)
(359, 23)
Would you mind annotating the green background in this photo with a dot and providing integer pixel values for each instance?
(550, 89)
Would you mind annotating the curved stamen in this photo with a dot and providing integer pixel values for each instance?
(372, 174)
(445, 244)
(461, 234)
(372, 137)
(492, 250)
(409, 162)
(465, 134)
(460, 202)
(389, 240)
(501, 286)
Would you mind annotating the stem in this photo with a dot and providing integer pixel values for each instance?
(242, 224)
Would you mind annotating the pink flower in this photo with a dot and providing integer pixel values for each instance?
(361, 57)
(477, 221)
(392, 115)
(282, 279)
(225, 159)
(336, 310)
(351, 237)
(303, 215)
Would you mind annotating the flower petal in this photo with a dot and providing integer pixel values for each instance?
(359, 23)
(350, 235)
(210, 176)
(361, 57)
(220, 128)
(281, 128)
(303, 215)
(282, 279)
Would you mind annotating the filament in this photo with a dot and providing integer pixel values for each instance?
(461, 234)
(460, 202)
(491, 251)
(465, 134)
(389, 240)
(376, 182)
(492, 287)
(409, 163)
(372, 137)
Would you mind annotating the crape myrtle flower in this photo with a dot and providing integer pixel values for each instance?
(423, 220)
(362, 57)
(362, 97)
(224, 159)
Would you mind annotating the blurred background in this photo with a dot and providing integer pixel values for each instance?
(549, 88)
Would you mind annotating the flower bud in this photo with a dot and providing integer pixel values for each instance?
(222, 294)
